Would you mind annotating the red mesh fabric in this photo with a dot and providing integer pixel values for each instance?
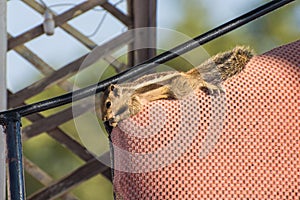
(241, 145)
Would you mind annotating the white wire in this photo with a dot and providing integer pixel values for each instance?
(94, 9)
(43, 3)
(98, 26)
(101, 22)
(74, 4)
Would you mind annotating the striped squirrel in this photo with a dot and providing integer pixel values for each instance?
(120, 101)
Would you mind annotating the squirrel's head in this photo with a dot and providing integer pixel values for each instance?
(114, 105)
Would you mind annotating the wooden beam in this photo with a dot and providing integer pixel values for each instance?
(42, 177)
(79, 36)
(106, 5)
(55, 120)
(40, 65)
(46, 69)
(37, 62)
(55, 133)
(68, 70)
(78, 176)
(65, 140)
(118, 66)
(71, 144)
(59, 20)
(37, 87)
(117, 13)
(68, 28)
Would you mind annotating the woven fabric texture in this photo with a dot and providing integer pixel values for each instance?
(244, 144)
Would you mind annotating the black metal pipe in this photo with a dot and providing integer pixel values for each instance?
(149, 64)
(12, 127)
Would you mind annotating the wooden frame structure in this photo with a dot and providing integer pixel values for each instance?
(138, 16)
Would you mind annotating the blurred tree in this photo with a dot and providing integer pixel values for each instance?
(275, 29)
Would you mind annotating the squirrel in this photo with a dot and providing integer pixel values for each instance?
(120, 101)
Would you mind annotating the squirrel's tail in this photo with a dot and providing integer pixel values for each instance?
(224, 65)
(233, 62)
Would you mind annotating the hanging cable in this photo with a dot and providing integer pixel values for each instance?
(98, 26)
(102, 21)
(49, 23)
(43, 3)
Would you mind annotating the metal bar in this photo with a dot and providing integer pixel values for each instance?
(63, 139)
(144, 15)
(14, 156)
(149, 64)
(3, 98)
(130, 54)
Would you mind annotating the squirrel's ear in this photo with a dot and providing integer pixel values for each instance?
(111, 87)
(114, 89)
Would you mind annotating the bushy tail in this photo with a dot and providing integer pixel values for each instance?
(232, 62)
(223, 65)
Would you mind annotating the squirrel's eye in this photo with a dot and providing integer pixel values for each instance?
(108, 104)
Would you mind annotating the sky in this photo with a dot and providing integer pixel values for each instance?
(60, 49)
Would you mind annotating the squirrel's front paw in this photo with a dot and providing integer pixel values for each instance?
(211, 89)
(117, 114)
(120, 115)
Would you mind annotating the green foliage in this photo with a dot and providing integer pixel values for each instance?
(275, 29)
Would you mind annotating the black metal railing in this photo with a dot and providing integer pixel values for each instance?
(11, 119)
